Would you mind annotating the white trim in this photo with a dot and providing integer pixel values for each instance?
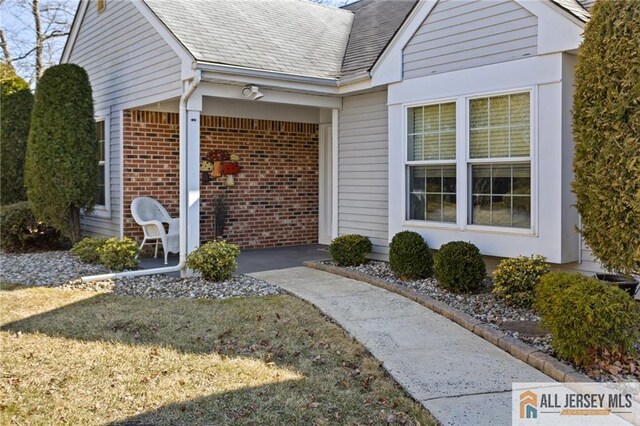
(75, 29)
(100, 210)
(335, 146)
(234, 70)
(122, 206)
(325, 194)
(276, 96)
(173, 42)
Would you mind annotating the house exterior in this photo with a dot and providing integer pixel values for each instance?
(451, 118)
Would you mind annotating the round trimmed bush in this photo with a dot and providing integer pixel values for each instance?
(515, 280)
(215, 260)
(350, 250)
(21, 232)
(118, 254)
(409, 256)
(459, 267)
(87, 249)
(586, 317)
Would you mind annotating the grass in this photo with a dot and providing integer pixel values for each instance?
(71, 357)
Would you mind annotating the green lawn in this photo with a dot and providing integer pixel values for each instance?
(71, 357)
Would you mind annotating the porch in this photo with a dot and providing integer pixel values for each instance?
(283, 194)
(257, 260)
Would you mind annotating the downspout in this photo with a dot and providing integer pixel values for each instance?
(184, 99)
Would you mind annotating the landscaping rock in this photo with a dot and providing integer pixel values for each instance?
(62, 270)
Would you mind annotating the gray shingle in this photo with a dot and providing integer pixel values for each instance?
(576, 8)
(375, 23)
(289, 36)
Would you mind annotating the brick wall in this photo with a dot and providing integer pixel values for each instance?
(274, 201)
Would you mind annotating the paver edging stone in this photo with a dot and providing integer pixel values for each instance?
(518, 349)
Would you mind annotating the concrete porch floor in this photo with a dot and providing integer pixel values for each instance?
(256, 260)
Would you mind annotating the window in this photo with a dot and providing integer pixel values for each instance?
(500, 161)
(431, 162)
(101, 5)
(102, 146)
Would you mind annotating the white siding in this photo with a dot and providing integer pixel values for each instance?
(128, 63)
(461, 34)
(362, 168)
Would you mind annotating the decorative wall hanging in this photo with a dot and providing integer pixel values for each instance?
(217, 163)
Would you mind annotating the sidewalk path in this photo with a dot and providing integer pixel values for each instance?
(459, 377)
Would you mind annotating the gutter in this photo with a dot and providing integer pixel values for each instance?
(184, 99)
(254, 72)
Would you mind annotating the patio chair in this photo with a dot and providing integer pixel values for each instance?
(150, 214)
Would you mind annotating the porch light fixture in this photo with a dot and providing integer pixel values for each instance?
(252, 92)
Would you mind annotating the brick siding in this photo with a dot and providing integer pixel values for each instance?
(274, 201)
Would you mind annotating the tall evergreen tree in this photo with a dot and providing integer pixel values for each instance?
(61, 170)
(16, 101)
(606, 127)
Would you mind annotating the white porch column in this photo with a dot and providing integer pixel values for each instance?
(193, 180)
(335, 123)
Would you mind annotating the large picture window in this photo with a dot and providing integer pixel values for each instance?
(100, 135)
(431, 162)
(500, 160)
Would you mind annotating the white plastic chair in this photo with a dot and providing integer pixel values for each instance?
(150, 214)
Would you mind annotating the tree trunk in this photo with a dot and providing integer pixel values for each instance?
(74, 224)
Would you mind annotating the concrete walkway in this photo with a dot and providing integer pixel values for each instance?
(459, 377)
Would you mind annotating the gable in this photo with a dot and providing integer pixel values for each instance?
(126, 58)
(461, 34)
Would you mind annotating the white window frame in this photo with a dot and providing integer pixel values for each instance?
(100, 210)
(407, 164)
(464, 161)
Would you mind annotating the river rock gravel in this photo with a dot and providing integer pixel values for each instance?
(482, 305)
(61, 269)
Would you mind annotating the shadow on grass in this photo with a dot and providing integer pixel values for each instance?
(339, 382)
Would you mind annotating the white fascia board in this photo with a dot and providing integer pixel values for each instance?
(494, 77)
(388, 67)
(75, 29)
(558, 30)
(231, 91)
(173, 42)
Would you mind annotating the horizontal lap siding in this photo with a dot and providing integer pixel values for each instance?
(127, 61)
(363, 169)
(461, 34)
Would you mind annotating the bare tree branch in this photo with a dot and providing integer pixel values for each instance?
(5, 49)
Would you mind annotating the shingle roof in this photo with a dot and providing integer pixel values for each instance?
(294, 36)
(375, 23)
(258, 34)
(574, 7)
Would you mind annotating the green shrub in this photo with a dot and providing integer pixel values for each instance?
(515, 280)
(459, 267)
(350, 250)
(61, 169)
(16, 102)
(586, 316)
(118, 254)
(409, 256)
(87, 249)
(215, 260)
(606, 129)
(20, 231)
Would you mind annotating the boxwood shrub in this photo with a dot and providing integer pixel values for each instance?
(350, 250)
(118, 254)
(87, 249)
(215, 260)
(21, 232)
(409, 256)
(515, 280)
(459, 267)
(586, 316)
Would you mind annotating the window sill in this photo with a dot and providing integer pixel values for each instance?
(100, 211)
(501, 230)
(450, 226)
